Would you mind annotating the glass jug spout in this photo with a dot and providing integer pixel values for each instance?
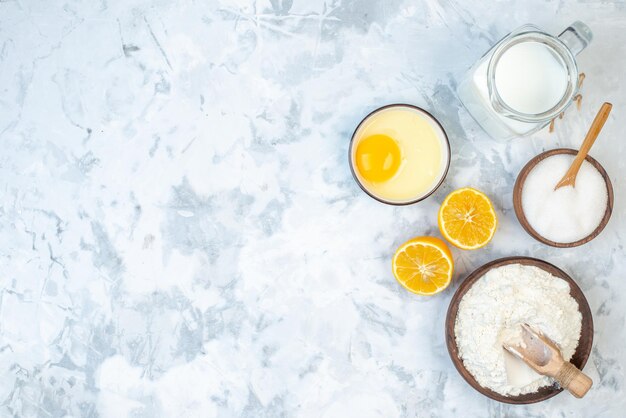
(576, 37)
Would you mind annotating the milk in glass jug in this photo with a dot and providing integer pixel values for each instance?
(524, 81)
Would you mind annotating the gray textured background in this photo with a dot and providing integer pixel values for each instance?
(180, 234)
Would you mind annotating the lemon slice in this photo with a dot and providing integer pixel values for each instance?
(467, 219)
(423, 265)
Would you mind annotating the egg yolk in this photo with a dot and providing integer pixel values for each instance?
(378, 158)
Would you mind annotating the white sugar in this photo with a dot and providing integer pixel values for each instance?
(569, 213)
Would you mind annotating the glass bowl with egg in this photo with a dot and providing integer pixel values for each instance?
(399, 154)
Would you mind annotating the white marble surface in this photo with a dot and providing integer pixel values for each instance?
(180, 234)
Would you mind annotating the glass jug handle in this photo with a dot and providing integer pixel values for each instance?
(576, 37)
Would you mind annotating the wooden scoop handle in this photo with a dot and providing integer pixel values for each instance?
(569, 179)
(572, 379)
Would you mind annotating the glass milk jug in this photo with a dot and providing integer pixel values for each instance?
(524, 81)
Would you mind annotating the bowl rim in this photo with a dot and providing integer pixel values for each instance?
(519, 187)
(579, 359)
(443, 176)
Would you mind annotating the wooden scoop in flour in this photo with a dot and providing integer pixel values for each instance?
(544, 357)
(569, 179)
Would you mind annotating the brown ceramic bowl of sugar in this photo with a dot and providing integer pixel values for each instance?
(519, 187)
(579, 359)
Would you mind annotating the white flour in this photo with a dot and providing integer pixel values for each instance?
(492, 311)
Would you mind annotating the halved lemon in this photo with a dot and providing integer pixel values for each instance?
(467, 219)
(423, 265)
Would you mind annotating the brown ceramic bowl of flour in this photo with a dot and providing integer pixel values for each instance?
(579, 359)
